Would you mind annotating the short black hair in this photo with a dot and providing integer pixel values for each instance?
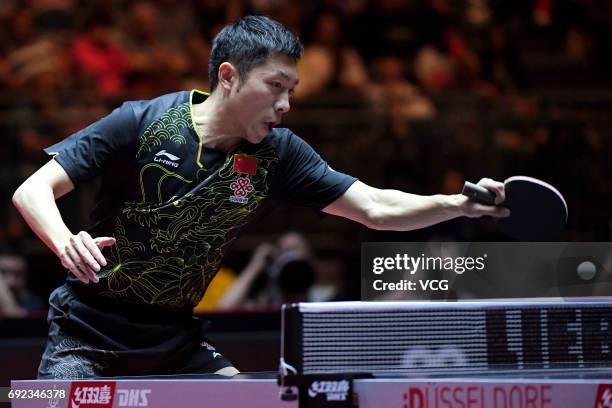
(248, 43)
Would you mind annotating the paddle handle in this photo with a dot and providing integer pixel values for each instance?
(478, 193)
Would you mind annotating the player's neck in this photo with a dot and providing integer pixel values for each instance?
(215, 125)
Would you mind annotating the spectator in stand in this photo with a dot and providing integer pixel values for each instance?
(101, 63)
(276, 274)
(466, 64)
(29, 54)
(15, 298)
(501, 62)
(433, 69)
(396, 95)
(328, 62)
(331, 280)
(8, 304)
(158, 62)
(17, 30)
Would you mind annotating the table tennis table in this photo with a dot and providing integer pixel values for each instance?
(568, 390)
(405, 355)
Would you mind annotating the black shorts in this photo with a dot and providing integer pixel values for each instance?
(91, 338)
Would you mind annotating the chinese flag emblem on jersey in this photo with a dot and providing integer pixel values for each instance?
(245, 164)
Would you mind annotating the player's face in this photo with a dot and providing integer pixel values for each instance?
(262, 99)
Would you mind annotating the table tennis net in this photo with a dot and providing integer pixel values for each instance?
(432, 337)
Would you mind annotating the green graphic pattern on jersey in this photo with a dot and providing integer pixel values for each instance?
(167, 127)
(168, 249)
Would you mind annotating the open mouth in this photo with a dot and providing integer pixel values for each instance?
(270, 125)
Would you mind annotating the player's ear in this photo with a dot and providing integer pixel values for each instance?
(228, 75)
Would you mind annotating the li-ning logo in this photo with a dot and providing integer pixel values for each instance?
(241, 188)
(333, 390)
(172, 159)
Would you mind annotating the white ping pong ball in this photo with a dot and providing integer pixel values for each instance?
(586, 270)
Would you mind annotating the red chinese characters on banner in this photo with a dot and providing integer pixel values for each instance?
(92, 394)
(604, 396)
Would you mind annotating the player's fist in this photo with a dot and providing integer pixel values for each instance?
(474, 209)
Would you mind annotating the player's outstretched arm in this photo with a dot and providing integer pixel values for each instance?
(395, 210)
(35, 200)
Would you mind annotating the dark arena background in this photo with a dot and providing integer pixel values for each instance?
(414, 95)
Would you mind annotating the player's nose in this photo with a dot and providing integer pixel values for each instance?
(282, 104)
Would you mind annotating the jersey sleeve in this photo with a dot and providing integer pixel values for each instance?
(305, 179)
(88, 152)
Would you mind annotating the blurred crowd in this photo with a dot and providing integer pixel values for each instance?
(412, 94)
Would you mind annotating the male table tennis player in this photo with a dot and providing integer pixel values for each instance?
(182, 175)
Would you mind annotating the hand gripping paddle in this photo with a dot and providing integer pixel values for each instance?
(538, 211)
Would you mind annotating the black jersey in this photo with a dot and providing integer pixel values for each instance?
(173, 205)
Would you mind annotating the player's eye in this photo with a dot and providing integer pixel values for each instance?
(277, 84)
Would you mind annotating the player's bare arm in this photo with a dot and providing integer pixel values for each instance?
(35, 200)
(396, 210)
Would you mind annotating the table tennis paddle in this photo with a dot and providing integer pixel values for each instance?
(538, 211)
